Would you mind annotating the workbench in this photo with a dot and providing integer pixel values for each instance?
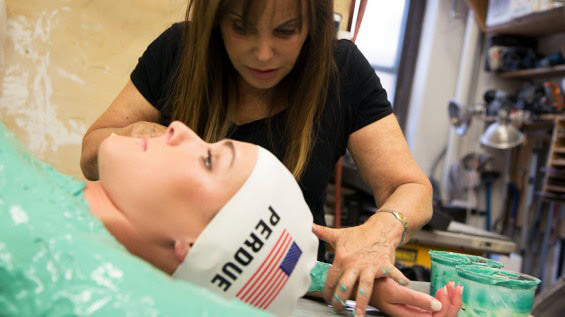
(459, 238)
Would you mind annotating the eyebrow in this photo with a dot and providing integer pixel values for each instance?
(297, 19)
(230, 145)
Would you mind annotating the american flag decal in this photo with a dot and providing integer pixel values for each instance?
(267, 282)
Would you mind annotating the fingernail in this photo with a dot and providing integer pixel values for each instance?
(445, 290)
(343, 288)
(338, 300)
(112, 134)
(402, 282)
(386, 271)
(460, 289)
(362, 292)
(436, 305)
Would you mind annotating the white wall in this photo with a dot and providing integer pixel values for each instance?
(434, 82)
(2, 30)
(65, 61)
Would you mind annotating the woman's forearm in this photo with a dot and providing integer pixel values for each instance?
(414, 201)
(89, 154)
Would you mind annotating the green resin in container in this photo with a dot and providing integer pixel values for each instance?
(444, 263)
(494, 292)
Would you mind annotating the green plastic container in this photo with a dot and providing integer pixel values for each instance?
(444, 263)
(494, 292)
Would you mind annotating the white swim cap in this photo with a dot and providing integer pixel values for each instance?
(260, 247)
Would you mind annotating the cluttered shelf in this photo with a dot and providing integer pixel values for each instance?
(542, 72)
(525, 40)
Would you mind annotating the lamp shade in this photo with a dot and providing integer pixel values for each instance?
(502, 135)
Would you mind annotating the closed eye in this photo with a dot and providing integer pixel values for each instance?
(289, 27)
(208, 160)
(285, 32)
(239, 27)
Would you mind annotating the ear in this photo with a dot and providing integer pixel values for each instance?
(181, 249)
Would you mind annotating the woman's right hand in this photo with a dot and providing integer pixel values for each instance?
(145, 129)
(130, 114)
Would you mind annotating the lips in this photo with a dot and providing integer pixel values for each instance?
(263, 73)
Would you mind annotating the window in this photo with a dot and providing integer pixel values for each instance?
(380, 39)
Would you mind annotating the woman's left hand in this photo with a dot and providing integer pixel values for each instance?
(361, 256)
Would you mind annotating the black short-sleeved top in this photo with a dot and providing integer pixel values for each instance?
(359, 101)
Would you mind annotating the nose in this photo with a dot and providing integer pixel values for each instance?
(264, 49)
(178, 132)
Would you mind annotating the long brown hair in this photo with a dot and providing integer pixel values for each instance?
(205, 95)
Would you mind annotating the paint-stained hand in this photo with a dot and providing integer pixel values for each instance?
(144, 129)
(361, 256)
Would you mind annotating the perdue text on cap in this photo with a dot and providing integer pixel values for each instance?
(245, 253)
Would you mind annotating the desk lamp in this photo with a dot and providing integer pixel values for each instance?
(501, 134)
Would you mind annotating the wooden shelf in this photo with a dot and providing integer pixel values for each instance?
(535, 24)
(553, 188)
(560, 150)
(550, 117)
(547, 72)
(557, 162)
(554, 181)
